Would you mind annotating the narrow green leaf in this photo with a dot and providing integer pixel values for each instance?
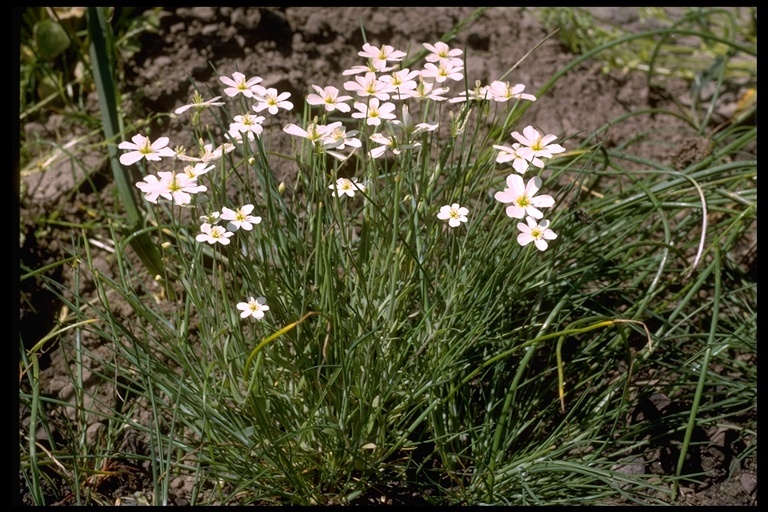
(100, 50)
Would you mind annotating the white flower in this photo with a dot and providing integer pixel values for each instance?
(356, 70)
(441, 52)
(536, 233)
(176, 187)
(152, 187)
(348, 187)
(369, 85)
(142, 148)
(240, 218)
(269, 99)
(208, 154)
(388, 142)
(501, 91)
(315, 132)
(522, 197)
(199, 104)
(479, 93)
(427, 91)
(214, 234)
(239, 85)
(372, 112)
(442, 71)
(513, 154)
(197, 170)
(180, 187)
(401, 83)
(535, 145)
(408, 128)
(337, 137)
(380, 56)
(329, 97)
(454, 214)
(254, 307)
(246, 124)
(211, 218)
(221, 150)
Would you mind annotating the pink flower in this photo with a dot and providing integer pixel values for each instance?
(142, 147)
(380, 56)
(522, 197)
(534, 145)
(239, 85)
(536, 233)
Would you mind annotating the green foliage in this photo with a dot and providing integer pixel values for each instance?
(395, 348)
(55, 65)
(662, 56)
(51, 39)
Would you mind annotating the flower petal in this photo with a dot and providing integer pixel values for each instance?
(131, 158)
(515, 212)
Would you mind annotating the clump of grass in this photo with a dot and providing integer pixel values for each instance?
(681, 54)
(403, 340)
(56, 71)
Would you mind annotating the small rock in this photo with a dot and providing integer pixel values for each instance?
(163, 61)
(245, 19)
(634, 466)
(210, 29)
(203, 14)
(177, 27)
(93, 432)
(748, 482)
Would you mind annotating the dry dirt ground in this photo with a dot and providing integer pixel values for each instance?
(291, 48)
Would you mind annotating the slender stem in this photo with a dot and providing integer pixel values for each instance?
(704, 369)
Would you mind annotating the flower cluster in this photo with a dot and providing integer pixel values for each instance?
(212, 232)
(207, 153)
(179, 187)
(377, 99)
(378, 85)
(381, 82)
(176, 187)
(530, 149)
(265, 98)
(240, 218)
(330, 138)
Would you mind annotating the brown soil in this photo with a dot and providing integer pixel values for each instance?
(291, 48)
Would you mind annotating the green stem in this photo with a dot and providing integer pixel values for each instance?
(101, 51)
(702, 377)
